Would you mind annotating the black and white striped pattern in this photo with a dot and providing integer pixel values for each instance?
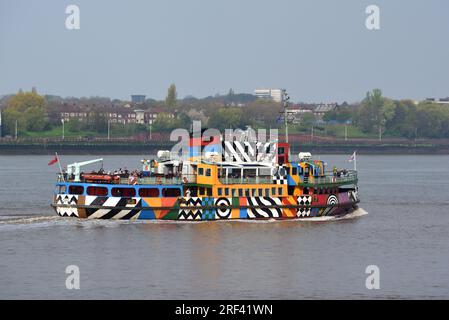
(190, 214)
(353, 195)
(237, 151)
(258, 210)
(266, 152)
(113, 213)
(332, 200)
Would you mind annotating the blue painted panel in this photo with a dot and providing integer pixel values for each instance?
(147, 214)
(243, 213)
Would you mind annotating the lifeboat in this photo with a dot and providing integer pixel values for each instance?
(97, 177)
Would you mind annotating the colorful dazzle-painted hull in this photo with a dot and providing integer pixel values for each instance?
(205, 208)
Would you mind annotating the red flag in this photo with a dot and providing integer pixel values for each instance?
(53, 161)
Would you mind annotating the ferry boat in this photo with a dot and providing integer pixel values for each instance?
(241, 182)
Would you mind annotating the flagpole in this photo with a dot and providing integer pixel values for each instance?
(60, 168)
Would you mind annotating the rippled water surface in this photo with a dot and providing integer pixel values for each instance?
(405, 233)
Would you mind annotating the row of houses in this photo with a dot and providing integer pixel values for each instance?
(113, 114)
(296, 112)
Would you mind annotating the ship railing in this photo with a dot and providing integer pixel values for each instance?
(159, 180)
(247, 180)
(143, 180)
(348, 177)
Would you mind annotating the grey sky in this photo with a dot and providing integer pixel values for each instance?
(317, 50)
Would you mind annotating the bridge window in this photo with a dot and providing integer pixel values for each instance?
(123, 192)
(246, 193)
(294, 171)
(208, 174)
(149, 192)
(209, 192)
(200, 171)
(267, 192)
(76, 189)
(97, 191)
(171, 192)
(260, 193)
(202, 191)
(240, 193)
(219, 191)
(273, 191)
(280, 191)
(226, 192)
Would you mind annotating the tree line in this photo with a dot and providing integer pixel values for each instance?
(395, 118)
(375, 114)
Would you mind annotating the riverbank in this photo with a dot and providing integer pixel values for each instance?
(151, 147)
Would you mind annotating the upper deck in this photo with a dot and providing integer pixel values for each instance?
(330, 180)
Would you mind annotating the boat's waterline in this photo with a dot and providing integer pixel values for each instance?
(47, 220)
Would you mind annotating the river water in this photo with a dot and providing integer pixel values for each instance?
(405, 234)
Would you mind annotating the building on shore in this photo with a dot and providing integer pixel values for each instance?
(296, 112)
(138, 98)
(269, 94)
(438, 101)
(322, 108)
(114, 114)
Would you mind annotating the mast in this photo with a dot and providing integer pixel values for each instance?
(285, 98)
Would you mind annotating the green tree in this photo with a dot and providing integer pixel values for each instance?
(74, 125)
(371, 112)
(261, 113)
(170, 100)
(308, 120)
(100, 122)
(24, 100)
(36, 119)
(225, 118)
(165, 122)
(28, 109)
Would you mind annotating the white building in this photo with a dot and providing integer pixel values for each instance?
(438, 101)
(140, 116)
(272, 94)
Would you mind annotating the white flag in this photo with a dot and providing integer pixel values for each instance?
(352, 157)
